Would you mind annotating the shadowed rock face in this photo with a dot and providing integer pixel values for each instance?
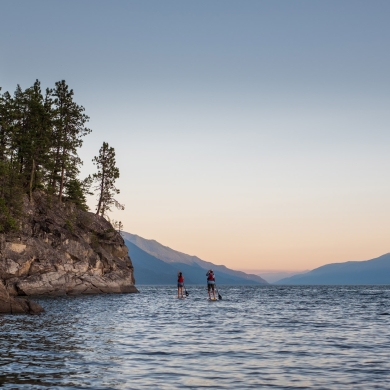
(63, 250)
(13, 305)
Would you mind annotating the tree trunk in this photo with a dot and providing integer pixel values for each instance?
(32, 178)
(101, 192)
(53, 179)
(62, 181)
(2, 144)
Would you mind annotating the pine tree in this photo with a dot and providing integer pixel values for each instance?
(69, 127)
(6, 104)
(118, 225)
(76, 191)
(10, 184)
(105, 179)
(32, 133)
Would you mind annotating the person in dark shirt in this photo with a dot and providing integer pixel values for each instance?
(210, 283)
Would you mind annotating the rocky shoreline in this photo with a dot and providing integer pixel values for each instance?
(61, 250)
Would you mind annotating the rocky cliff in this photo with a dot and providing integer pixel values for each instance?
(59, 250)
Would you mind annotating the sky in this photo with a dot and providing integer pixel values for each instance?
(253, 134)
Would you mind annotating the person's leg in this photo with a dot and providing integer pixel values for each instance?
(208, 290)
(178, 291)
(213, 290)
(181, 292)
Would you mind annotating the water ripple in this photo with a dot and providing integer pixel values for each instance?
(272, 337)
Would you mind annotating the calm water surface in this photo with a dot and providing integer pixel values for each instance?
(257, 337)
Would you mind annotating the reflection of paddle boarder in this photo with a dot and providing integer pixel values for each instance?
(180, 284)
(210, 282)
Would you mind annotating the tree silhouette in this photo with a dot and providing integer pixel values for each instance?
(105, 179)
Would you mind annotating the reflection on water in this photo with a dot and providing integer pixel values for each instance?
(272, 337)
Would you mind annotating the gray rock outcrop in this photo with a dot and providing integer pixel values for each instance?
(13, 305)
(59, 250)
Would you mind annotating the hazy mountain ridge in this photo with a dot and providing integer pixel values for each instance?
(162, 252)
(274, 276)
(374, 271)
(145, 252)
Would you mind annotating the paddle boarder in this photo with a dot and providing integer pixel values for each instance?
(180, 284)
(210, 283)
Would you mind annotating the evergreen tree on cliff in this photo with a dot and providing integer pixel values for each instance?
(69, 127)
(105, 179)
(31, 134)
(11, 189)
(76, 191)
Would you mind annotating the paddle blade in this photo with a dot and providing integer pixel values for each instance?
(187, 293)
(219, 297)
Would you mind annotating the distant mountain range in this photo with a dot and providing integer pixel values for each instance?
(274, 276)
(375, 271)
(155, 263)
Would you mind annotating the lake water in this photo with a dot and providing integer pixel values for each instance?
(268, 337)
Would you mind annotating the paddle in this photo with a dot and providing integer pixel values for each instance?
(219, 295)
(187, 293)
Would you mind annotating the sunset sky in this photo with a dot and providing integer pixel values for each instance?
(254, 134)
